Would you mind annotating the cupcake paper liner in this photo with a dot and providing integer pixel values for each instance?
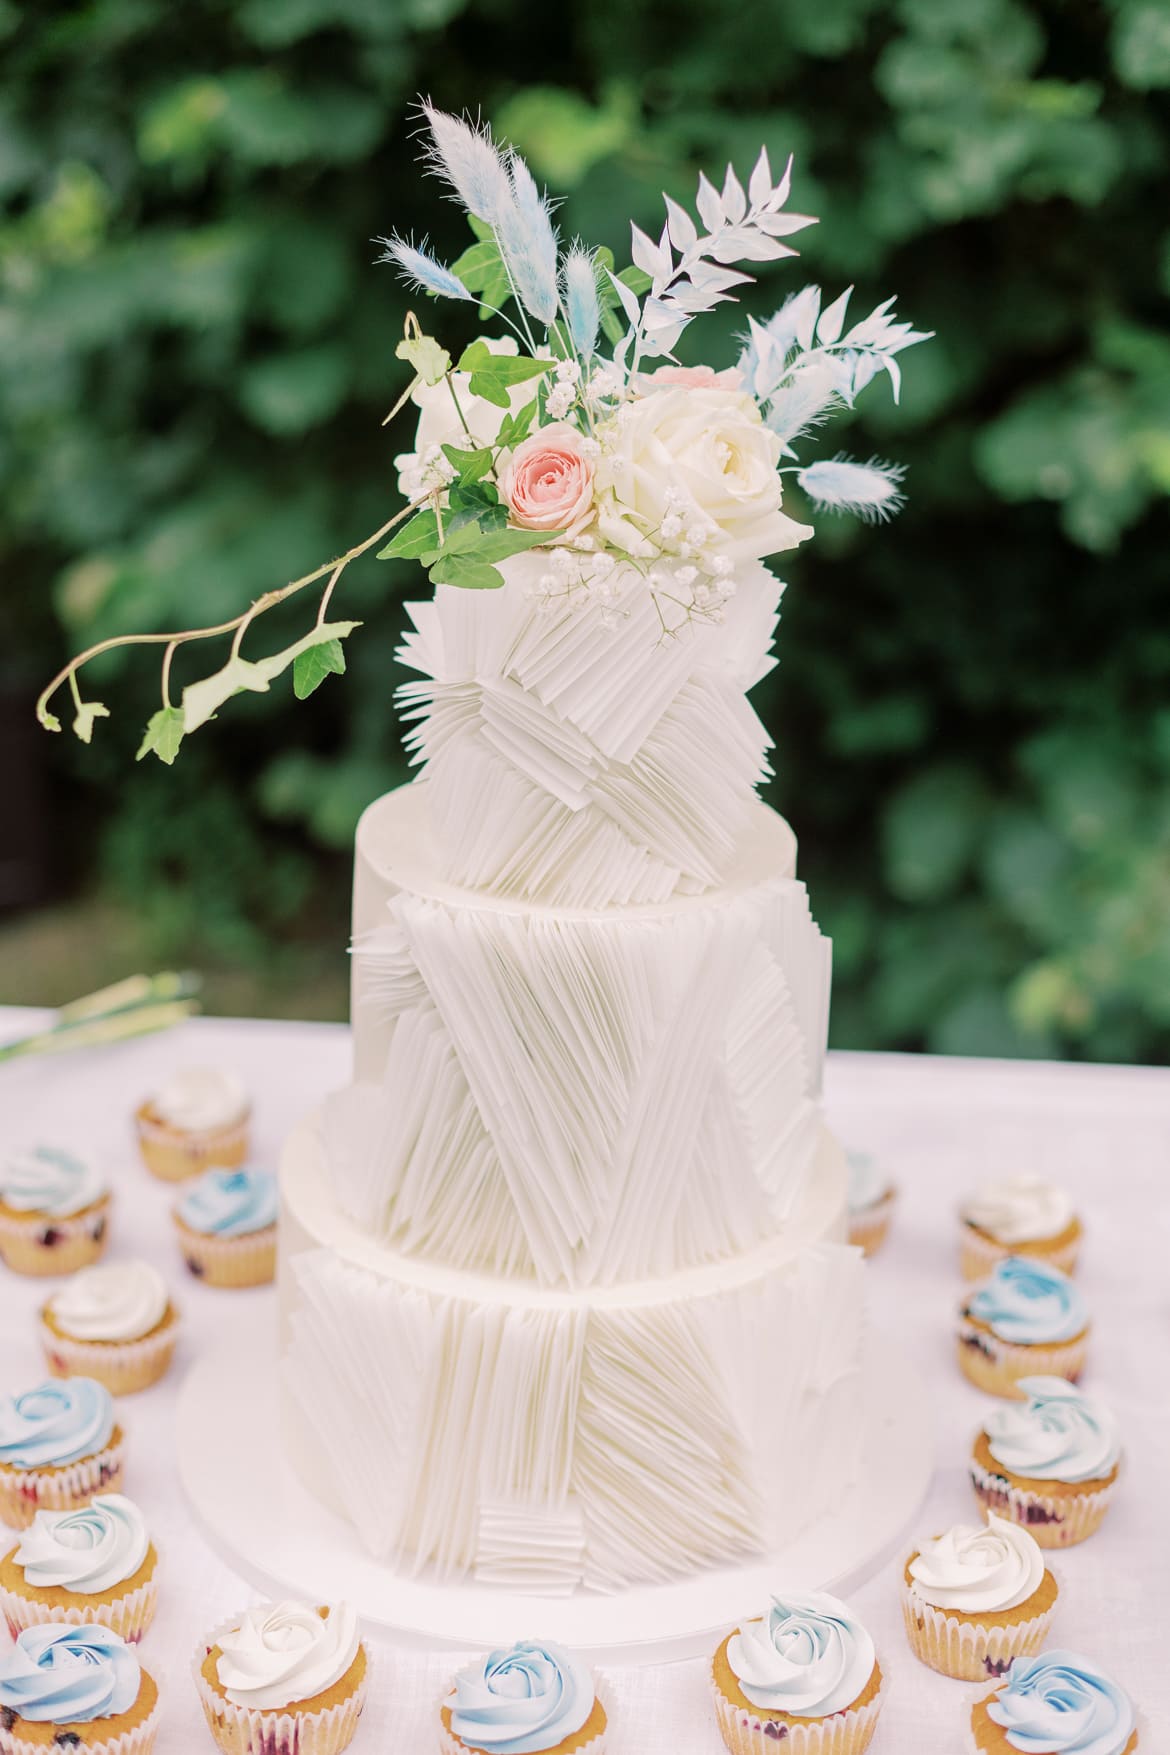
(966, 1648)
(123, 1366)
(996, 1366)
(1055, 1521)
(972, 1745)
(136, 1740)
(842, 1733)
(79, 1239)
(249, 1260)
(129, 1615)
(24, 1492)
(869, 1228)
(243, 1730)
(978, 1254)
(174, 1156)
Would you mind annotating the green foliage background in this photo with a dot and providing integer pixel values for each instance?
(195, 355)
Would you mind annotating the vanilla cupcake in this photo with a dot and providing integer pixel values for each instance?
(59, 1445)
(1018, 1215)
(974, 1599)
(1054, 1704)
(871, 1196)
(806, 1673)
(114, 1322)
(75, 1688)
(54, 1210)
(93, 1565)
(284, 1676)
(226, 1223)
(1049, 1463)
(532, 1696)
(199, 1117)
(1027, 1320)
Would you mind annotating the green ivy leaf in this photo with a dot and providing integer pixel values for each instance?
(493, 545)
(493, 374)
(430, 361)
(312, 667)
(417, 540)
(515, 427)
(201, 700)
(472, 465)
(164, 734)
(472, 575)
(87, 712)
(482, 271)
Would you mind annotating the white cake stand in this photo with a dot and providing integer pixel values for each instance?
(264, 1522)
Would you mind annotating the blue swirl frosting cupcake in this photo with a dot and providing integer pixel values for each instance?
(806, 1673)
(531, 1699)
(75, 1688)
(1027, 1319)
(871, 1196)
(226, 1221)
(1050, 1462)
(59, 1445)
(54, 1211)
(1054, 1704)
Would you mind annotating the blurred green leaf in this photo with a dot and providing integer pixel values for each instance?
(291, 392)
(930, 832)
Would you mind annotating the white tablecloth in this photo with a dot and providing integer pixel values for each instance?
(939, 1124)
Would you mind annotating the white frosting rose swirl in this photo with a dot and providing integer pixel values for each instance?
(978, 1571)
(807, 1656)
(280, 1653)
(115, 1301)
(1058, 1434)
(89, 1550)
(47, 1179)
(200, 1098)
(1019, 1209)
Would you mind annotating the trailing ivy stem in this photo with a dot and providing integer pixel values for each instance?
(328, 591)
(74, 690)
(168, 655)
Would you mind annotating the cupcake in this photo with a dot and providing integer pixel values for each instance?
(805, 1674)
(1049, 1463)
(1027, 1320)
(974, 1599)
(1018, 1215)
(871, 1197)
(533, 1696)
(115, 1322)
(283, 1676)
(227, 1227)
(59, 1445)
(93, 1565)
(75, 1688)
(1054, 1704)
(54, 1208)
(199, 1117)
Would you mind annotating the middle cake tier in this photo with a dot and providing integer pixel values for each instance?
(577, 1097)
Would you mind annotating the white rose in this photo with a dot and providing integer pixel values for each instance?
(439, 422)
(708, 444)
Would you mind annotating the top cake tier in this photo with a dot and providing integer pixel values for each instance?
(575, 753)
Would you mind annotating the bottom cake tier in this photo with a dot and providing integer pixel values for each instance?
(556, 1440)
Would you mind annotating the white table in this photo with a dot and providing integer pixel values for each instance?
(939, 1124)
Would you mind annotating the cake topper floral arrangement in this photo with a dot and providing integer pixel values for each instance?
(576, 433)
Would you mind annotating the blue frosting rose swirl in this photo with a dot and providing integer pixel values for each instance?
(1030, 1303)
(230, 1203)
(522, 1700)
(1062, 1704)
(1058, 1434)
(807, 1656)
(56, 1423)
(68, 1675)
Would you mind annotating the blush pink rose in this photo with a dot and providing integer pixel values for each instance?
(691, 378)
(547, 482)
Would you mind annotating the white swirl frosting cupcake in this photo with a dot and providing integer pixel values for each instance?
(54, 1211)
(284, 1676)
(805, 1673)
(975, 1598)
(95, 1564)
(198, 1117)
(1050, 1462)
(531, 1698)
(114, 1322)
(1018, 1215)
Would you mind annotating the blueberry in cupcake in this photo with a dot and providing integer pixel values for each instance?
(1050, 1462)
(54, 1211)
(1027, 1319)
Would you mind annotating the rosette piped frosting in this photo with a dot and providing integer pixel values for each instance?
(807, 1657)
(55, 1424)
(522, 1700)
(1019, 1209)
(282, 1653)
(48, 1179)
(1057, 1434)
(1062, 1704)
(90, 1550)
(116, 1301)
(1029, 1303)
(230, 1203)
(978, 1571)
(68, 1675)
(198, 1099)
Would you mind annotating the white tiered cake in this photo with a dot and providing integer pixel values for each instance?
(565, 1299)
